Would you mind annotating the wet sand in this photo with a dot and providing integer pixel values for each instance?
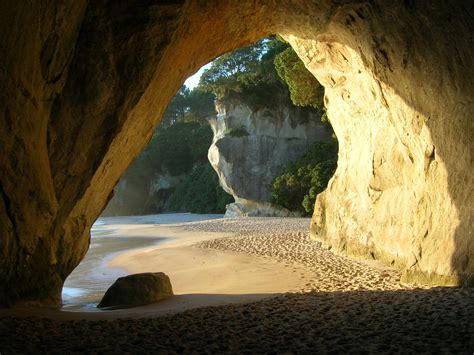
(340, 305)
(194, 271)
(87, 284)
(112, 236)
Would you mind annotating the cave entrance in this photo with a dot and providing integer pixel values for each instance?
(82, 96)
(254, 114)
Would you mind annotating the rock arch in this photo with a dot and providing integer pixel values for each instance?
(82, 85)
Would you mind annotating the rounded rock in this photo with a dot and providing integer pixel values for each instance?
(137, 290)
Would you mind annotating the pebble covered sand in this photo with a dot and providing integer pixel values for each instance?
(348, 306)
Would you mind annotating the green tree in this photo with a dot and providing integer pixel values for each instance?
(200, 105)
(264, 73)
(176, 108)
(194, 105)
(304, 89)
(243, 69)
(297, 187)
(177, 148)
(232, 70)
(200, 192)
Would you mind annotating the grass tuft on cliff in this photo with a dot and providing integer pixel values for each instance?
(237, 132)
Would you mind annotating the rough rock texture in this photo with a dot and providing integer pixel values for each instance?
(252, 145)
(137, 290)
(400, 98)
(82, 85)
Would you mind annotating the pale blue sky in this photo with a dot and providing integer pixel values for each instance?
(193, 80)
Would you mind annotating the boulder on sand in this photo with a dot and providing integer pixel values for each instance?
(137, 290)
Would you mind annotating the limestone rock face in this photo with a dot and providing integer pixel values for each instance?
(137, 290)
(83, 83)
(252, 145)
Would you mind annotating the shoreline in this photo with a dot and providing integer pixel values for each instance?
(112, 237)
(201, 277)
(218, 262)
(86, 285)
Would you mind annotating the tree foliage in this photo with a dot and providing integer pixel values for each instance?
(297, 187)
(243, 70)
(260, 71)
(200, 192)
(176, 149)
(304, 89)
(195, 105)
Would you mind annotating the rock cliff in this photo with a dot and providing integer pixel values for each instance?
(252, 145)
(82, 84)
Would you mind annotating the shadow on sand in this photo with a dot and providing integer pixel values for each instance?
(435, 320)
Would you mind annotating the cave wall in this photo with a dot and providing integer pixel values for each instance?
(36, 48)
(399, 90)
(82, 84)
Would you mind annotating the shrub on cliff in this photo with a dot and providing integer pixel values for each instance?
(237, 132)
(265, 73)
(297, 187)
(248, 73)
(241, 69)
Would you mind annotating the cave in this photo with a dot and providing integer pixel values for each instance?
(83, 84)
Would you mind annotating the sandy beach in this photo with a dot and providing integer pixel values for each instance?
(255, 285)
(203, 275)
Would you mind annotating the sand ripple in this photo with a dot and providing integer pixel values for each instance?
(288, 241)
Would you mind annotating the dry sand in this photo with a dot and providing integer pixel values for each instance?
(196, 271)
(319, 302)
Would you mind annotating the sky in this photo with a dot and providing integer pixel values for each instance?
(193, 80)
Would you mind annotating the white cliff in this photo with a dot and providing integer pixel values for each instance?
(251, 146)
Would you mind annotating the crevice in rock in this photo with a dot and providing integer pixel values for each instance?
(430, 156)
(9, 210)
(12, 240)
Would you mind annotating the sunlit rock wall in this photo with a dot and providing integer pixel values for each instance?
(251, 146)
(399, 94)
